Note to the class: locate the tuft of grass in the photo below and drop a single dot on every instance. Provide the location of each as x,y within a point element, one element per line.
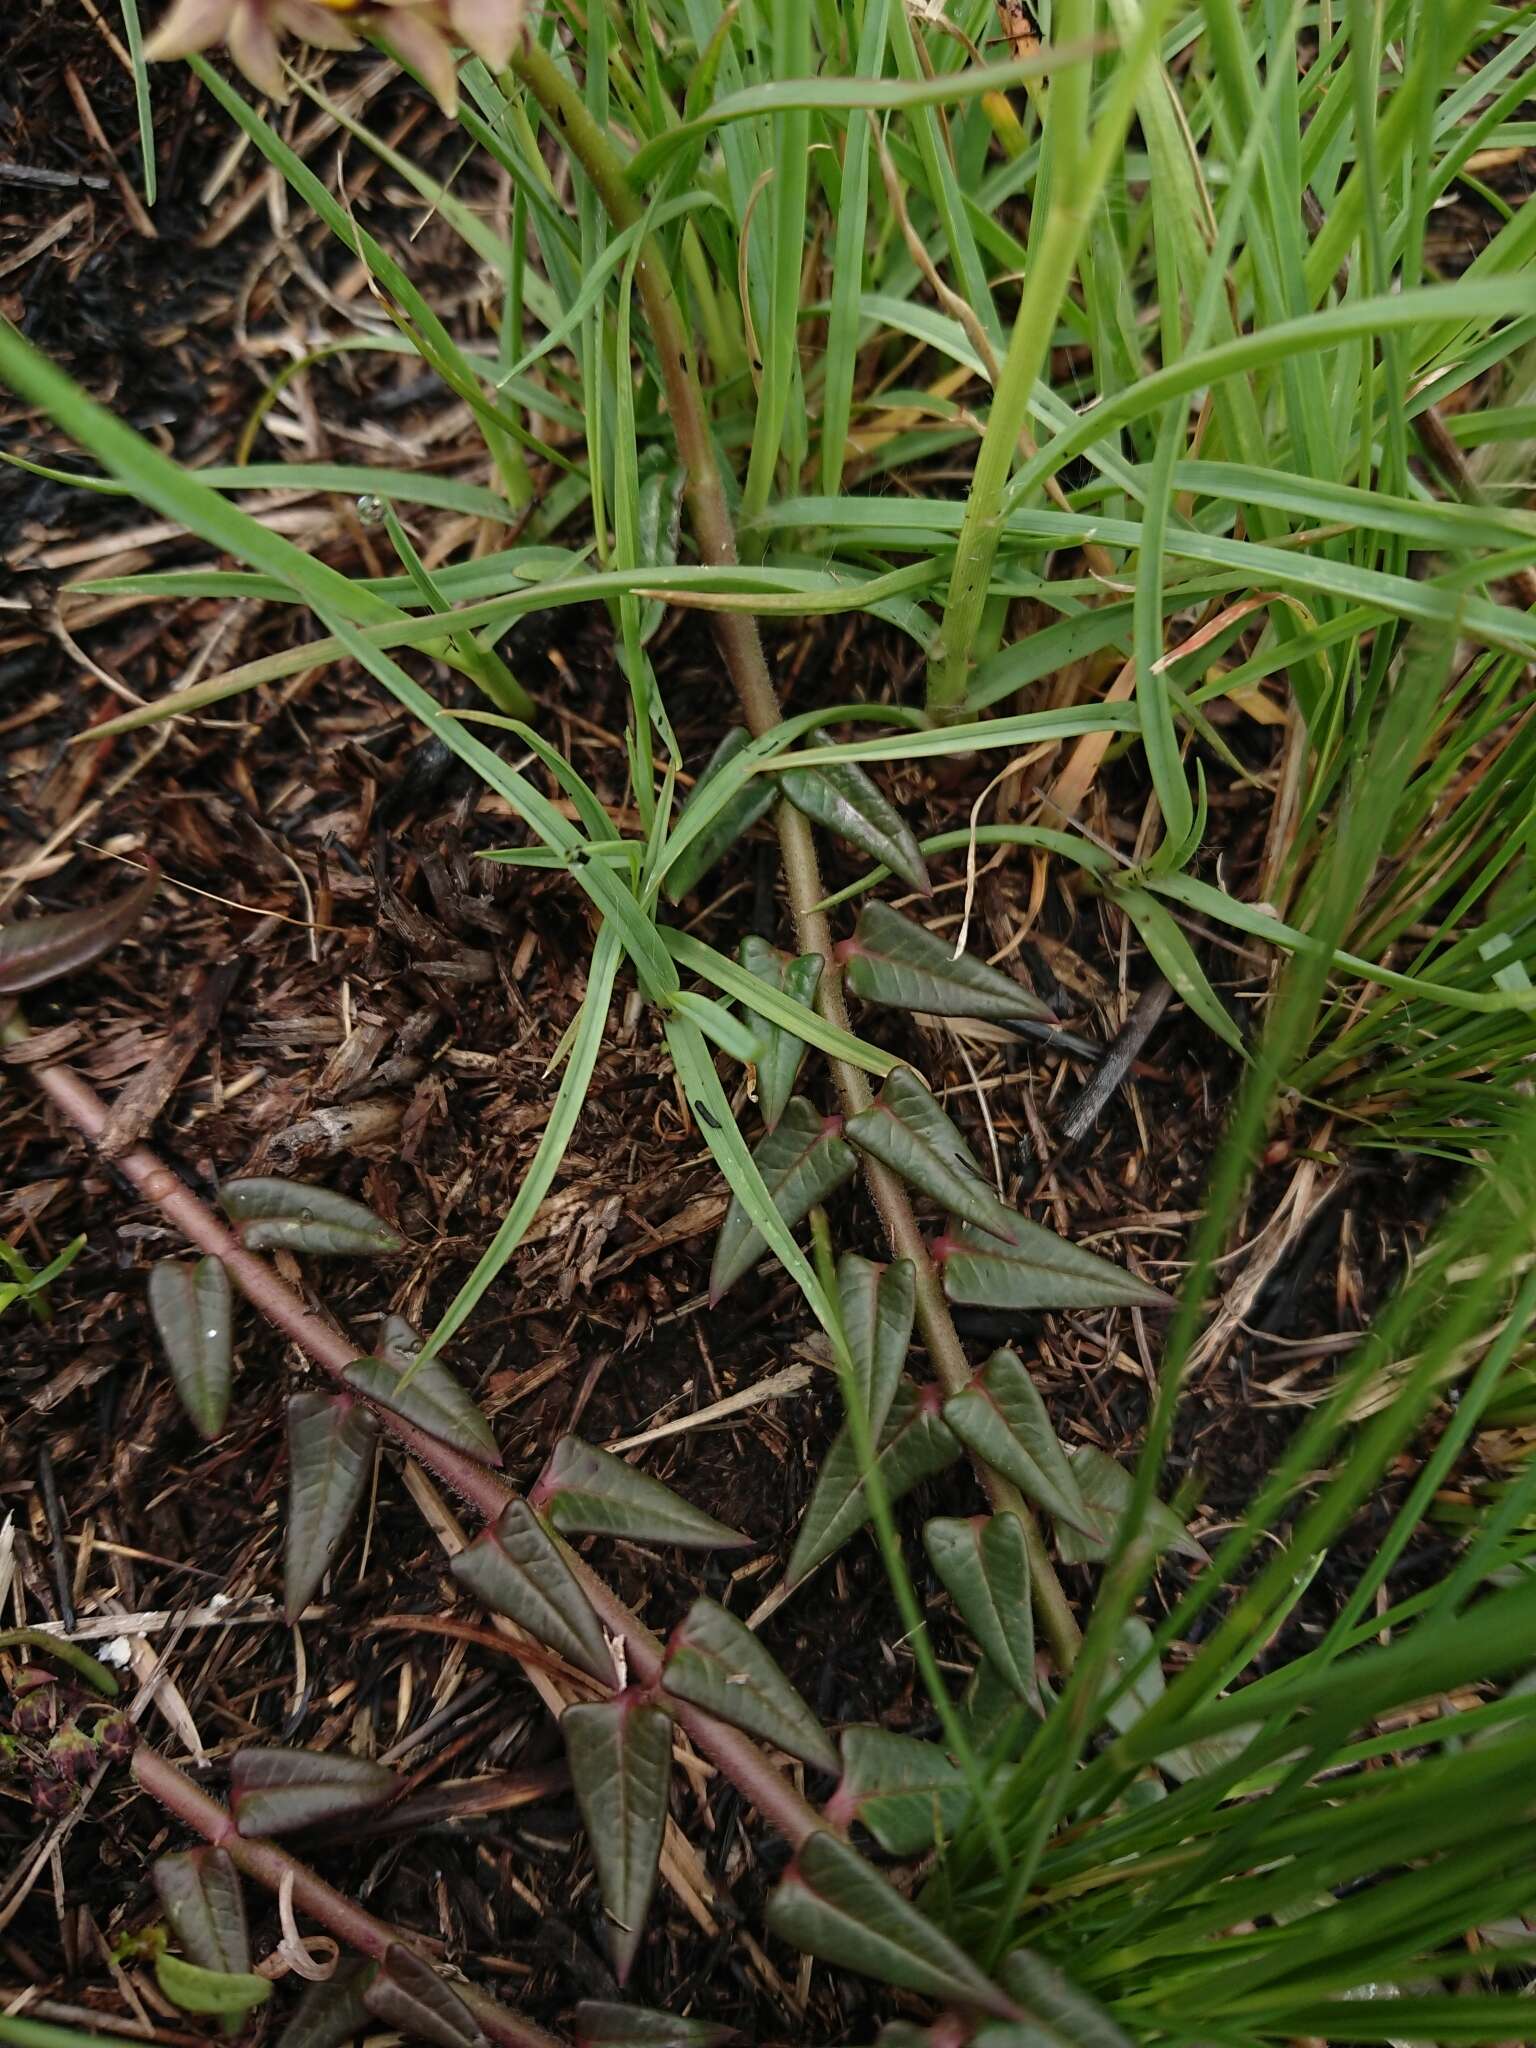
<point>1147,335</point>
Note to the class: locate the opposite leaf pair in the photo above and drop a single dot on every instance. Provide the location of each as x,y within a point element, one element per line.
<point>993,1257</point>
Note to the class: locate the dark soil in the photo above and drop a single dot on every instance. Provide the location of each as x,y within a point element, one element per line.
<point>377,1010</point>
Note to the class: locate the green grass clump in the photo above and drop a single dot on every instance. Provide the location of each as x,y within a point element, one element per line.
<point>810,310</point>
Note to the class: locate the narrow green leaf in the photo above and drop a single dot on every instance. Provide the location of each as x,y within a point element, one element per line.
<point>802,1160</point>
<point>754,799</point>
<point>268,1213</point>
<point>517,1569</point>
<point>1107,1488</point>
<point>410,1996</point>
<point>221,1992</point>
<point>200,1895</point>
<point>891,960</point>
<point>274,1791</point>
<point>584,1490</point>
<point>1001,1417</point>
<point>905,1128</point>
<point>846,801</point>
<point>1038,1270</point>
<point>783,1054</point>
<point>1176,958</point>
<point>585,1045</point>
<point>917,1443</point>
<point>423,1391</point>
<point>331,1441</point>
<point>833,1904</point>
<point>984,1564</point>
<point>133,35</point>
<point>714,1662</point>
<point>1060,2016</point>
<point>36,950</point>
<point>907,1792</point>
<point>771,1006</point>
<point>331,2012</point>
<point>877,1305</point>
<point>636,2026</point>
<point>193,1310</point>
<point>621,1765</point>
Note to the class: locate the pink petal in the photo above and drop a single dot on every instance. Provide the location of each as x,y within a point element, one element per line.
<point>322,26</point>
<point>191,25</point>
<point>253,45</point>
<point>489,27</point>
<point>416,42</point>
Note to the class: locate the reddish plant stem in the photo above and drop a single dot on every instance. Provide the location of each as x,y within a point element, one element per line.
<point>267,1864</point>
<point>767,1787</point>
<point>742,646</point>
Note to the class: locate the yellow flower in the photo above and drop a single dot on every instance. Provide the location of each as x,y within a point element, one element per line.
<point>421,33</point>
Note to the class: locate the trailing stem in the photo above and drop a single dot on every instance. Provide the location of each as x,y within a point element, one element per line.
<point>768,1788</point>
<point>267,1864</point>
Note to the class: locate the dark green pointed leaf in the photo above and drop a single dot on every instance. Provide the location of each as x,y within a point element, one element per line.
<point>716,1663</point>
<point>917,1443</point>
<point>891,960</point>
<point>984,1564</point>
<point>621,1765</point>
<point>802,1160</point>
<point>783,1054</point>
<point>1038,1270</point>
<point>843,798</point>
<point>752,801</point>
<point>273,1791</point>
<point>634,2026</point>
<point>582,1490</point>
<point>211,1991</point>
<point>905,2034</point>
<point>194,1312</point>
<point>36,950</point>
<point>517,1569</point>
<point>1132,1646</point>
<point>905,1128</point>
<point>877,1304</point>
<point>990,1707</point>
<point>1106,1487</point>
<point>429,1396</point>
<point>331,1440</point>
<point>333,2012</point>
<point>833,1904</point>
<point>270,1214</point>
<point>199,1892</point>
<point>1060,2016</point>
<point>906,1792</point>
<point>1001,1417</point>
<point>409,1995</point>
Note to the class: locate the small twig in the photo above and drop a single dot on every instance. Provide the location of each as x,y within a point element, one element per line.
<point>53,1509</point>
<point>1113,1069</point>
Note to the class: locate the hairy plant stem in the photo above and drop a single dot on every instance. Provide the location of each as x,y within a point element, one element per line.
<point>267,1864</point>
<point>768,1788</point>
<point>741,644</point>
